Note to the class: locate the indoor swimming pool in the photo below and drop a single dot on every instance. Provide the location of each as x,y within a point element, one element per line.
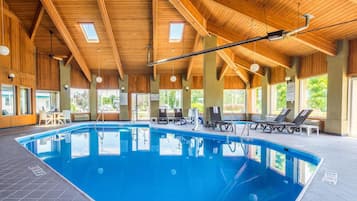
<point>136,162</point>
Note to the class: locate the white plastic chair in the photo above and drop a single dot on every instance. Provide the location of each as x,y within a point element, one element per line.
<point>44,116</point>
<point>67,116</point>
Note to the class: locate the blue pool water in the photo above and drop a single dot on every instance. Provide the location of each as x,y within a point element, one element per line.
<point>148,164</point>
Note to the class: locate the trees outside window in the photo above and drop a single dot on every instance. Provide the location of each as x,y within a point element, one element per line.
<point>257,100</point>
<point>278,97</point>
<point>234,101</point>
<point>197,99</point>
<point>170,98</point>
<point>8,103</point>
<point>108,100</point>
<point>47,100</point>
<point>79,100</point>
<point>314,95</point>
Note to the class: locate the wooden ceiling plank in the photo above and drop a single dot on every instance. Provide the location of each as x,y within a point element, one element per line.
<point>275,21</point>
<point>61,27</point>
<point>36,22</point>
<point>110,34</point>
<point>224,70</point>
<point>69,60</point>
<point>268,54</point>
<point>192,15</point>
<point>228,56</point>
<point>195,48</point>
<point>155,36</point>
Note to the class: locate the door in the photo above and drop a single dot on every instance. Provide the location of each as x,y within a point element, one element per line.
<point>353,108</point>
<point>140,107</point>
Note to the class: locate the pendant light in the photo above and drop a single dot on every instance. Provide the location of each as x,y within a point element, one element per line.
<point>254,67</point>
<point>98,79</point>
<point>4,50</point>
<point>173,76</point>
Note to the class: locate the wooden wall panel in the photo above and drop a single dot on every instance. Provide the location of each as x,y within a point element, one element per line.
<point>233,82</point>
<point>313,65</point>
<point>139,83</point>
<point>277,75</point>
<point>197,82</point>
<point>352,58</point>
<point>78,79</point>
<point>110,80</point>
<point>256,81</point>
<point>165,82</point>
<point>20,62</point>
<point>48,73</point>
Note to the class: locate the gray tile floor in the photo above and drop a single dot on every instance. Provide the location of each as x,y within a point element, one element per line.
<point>17,181</point>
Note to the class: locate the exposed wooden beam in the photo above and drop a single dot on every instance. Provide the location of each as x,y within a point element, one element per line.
<point>192,15</point>
<point>10,14</point>
<point>155,34</point>
<point>275,21</point>
<point>261,50</point>
<point>36,22</point>
<point>62,29</point>
<point>228,56</point>
<point>69,60</point>
<point>195,48</point>
<point>110,34</point>
<point>224,70</point>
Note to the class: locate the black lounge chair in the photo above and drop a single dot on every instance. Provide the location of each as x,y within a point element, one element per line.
<point>290,127</point>
<point>216,120</point>
<point>179,117</point>
<point>162,119</point>
<point>280,118</point>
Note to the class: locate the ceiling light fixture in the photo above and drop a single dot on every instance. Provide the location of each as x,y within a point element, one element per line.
<point>173,76</point>
<point>4,50</point>
<point>254,67</point>
<point>98,79</point>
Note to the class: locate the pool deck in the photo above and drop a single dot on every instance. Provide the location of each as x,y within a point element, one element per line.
<point>18,182</point>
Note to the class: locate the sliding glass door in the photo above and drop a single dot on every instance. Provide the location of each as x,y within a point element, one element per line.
<point>140,106</point>
<point>353,108</point>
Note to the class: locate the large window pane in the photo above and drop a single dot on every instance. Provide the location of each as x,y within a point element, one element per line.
<point>171,99</point>
<point>79,100</point>
<point>278,98</point>
<point>25,100</point>
<point>8,100</point>
<point>314,95</point>
<point>257,100</point>
<point>108,100</point>
<point>278,161</point>
<point>47,101</point>
<point>197,99</point>
<point>234,101</point>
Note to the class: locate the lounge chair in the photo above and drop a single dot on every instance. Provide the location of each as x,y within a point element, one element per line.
<point>280,118</point>
<point>290,127</point>
<point>179,117</point>
<point>45,117</point>
<point>162,119</point>
<point>216,120</point>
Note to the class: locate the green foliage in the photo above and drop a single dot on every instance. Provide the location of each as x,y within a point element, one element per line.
<point>281,96</point>
<point>317,93</point>
<point>171,98</point>
<point>197,100</point>
<point>258,100</point>
<point>234,101</point>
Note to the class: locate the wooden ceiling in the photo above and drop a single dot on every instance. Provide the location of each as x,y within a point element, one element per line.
<point>128,28</point>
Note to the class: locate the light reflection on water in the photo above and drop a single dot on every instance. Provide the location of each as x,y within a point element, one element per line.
<point>139,164</point>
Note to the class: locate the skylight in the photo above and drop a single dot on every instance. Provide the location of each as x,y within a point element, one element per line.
<point>89,32</point>
<point>176,32</point>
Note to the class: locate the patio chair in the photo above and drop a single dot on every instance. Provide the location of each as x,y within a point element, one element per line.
<point>290,127</point>
<point>280,118</point>
<point>45,117</point>
<point>179,117</point>
<point>64,116</point>
<point>162,119</point>
<point>216,120</point>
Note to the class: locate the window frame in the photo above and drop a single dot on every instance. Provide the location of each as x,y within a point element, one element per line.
<point>28,101</point>
<point>181,31</point>
<point>98,102</point>
<point>273,98</point>
<point>71,90</point>
<point>85,32</point>
<point>171,110</point>
<point>14,101</point>
<point>57,100</point>
<point>254,100</point>
<point>203,95</point>
<point>245,101</point>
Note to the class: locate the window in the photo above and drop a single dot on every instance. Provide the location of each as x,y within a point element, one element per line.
<point>47,101</point>
<point>277,161</point>
<point>25,101</point>
<point>171,99</point>
<point>176,32</point>
<point>234,101</point>
<point>278,98</point>
<point>314,95</point>
<point>89,32</point>
<point>257,100</point>
<point>8,100</point>
<point>79,100</point>
<point>197,99</point>
<point>108,100</point>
